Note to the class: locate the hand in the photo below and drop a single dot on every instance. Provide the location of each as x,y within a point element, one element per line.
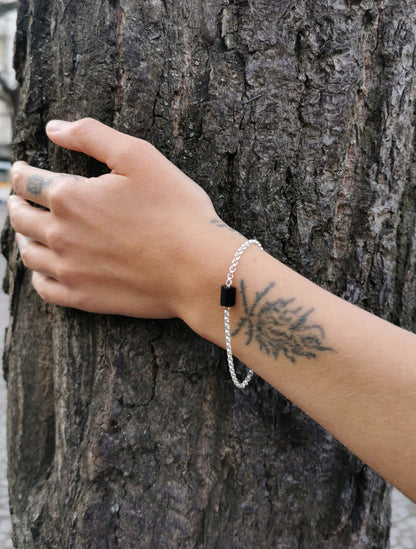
<point>129,242</point>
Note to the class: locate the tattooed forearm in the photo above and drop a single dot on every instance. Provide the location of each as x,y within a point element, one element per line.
<point>280,326</point>
<point>221,225</point>
<point>36,183</point>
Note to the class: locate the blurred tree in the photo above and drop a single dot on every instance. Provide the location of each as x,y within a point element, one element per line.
<point>298,118</point>
<point>9,94</point>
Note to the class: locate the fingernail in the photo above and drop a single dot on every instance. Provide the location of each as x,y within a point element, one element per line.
<point>55,126</point>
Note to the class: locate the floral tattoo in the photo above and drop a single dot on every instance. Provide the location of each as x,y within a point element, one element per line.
<point>280,326</point>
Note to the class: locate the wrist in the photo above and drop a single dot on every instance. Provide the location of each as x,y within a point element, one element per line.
<point>200,308</point>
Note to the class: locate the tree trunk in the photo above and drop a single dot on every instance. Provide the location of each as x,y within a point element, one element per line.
<point>298,118</point>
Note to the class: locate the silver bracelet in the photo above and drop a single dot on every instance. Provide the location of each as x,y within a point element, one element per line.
<point>228,300</point>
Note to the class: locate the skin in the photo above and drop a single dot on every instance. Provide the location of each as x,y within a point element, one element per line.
<point>351,371</point>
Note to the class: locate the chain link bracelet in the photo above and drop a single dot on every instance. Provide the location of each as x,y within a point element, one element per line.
<point>228,300</point>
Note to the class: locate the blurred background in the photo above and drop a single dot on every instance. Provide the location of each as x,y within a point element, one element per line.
<point>8,87</point>
<point>8,101</point>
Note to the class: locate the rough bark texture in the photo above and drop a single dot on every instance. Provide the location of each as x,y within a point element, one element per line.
<point>298,118</point>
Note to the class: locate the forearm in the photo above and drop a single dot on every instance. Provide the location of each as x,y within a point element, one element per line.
<point>349,370</point>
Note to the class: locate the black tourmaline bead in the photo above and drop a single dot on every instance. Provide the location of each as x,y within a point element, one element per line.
<point>227,296</point>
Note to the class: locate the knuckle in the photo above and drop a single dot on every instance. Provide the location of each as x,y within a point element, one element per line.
<point>56,238</point>
<point>65,273</point>
<point>16,215</point>
<point>61,273</point>
<point>145,147</point>
<point>80,301</point>
<point>129,151</point>
<point>17,175</point>
<point>26,252</point>
<point>12,207</point>
<point>41,287</point>
<point>130,148</point>
<point>25,255</point>
<point>50,291</point>
<point>83,123</point>
<point>82,129</point>
<point>56,197</point>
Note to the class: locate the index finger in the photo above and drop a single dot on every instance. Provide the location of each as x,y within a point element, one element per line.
<point>118,150</point>
<point>32,183</point>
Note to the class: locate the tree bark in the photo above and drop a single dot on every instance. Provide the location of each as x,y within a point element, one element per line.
<point>298,118</point>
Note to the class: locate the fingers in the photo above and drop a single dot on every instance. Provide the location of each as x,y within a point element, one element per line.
<point>50,290</point>
<point>36,256</point>
<point>22,240</point>
<point>30,183</point>
<point>122,153</point>
<point>93,138</point>
<point>34,184</point>
<point>27,220</point>
<point>45,278</point>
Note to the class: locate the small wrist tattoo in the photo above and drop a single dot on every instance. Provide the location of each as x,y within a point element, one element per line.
<point>221,225</point>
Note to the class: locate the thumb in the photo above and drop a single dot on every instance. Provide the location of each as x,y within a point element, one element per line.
<point>92,138</point>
